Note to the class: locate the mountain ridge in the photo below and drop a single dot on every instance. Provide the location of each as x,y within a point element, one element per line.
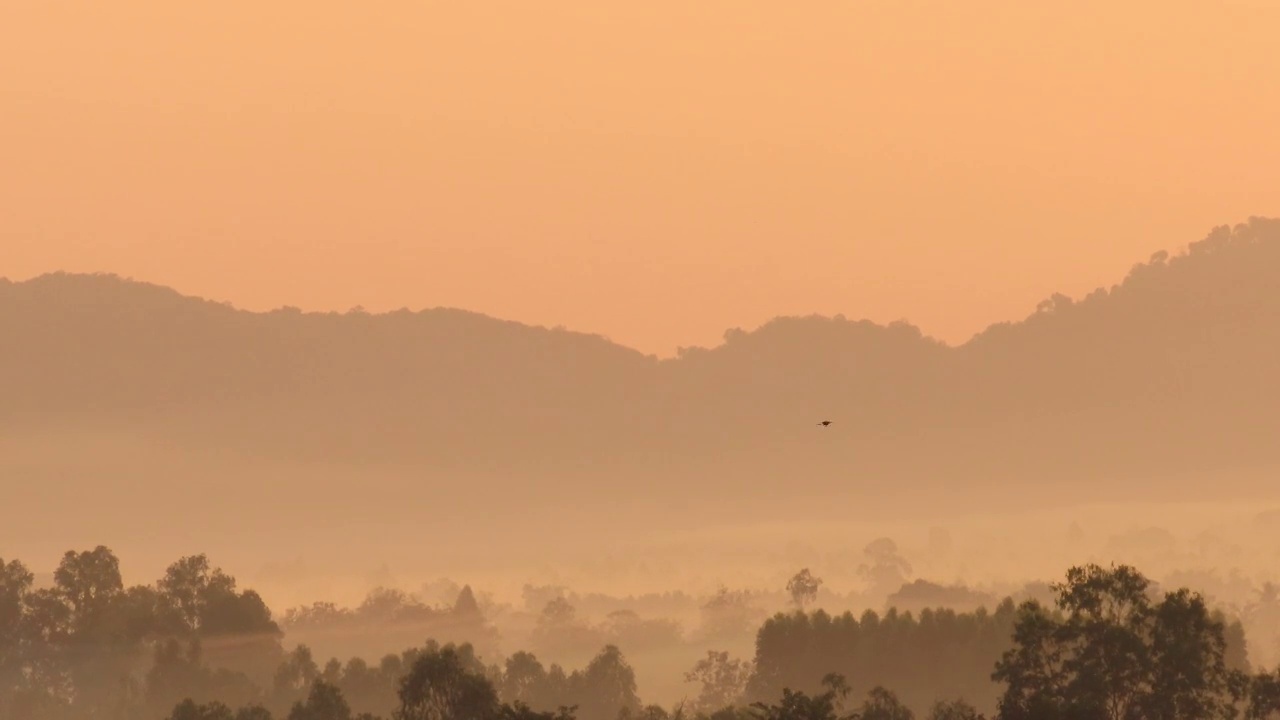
<point>104,282</point>
<point>1164,380</point>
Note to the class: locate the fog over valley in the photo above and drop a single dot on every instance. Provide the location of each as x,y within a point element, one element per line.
<point>354,485</point>
<point>662,360</point>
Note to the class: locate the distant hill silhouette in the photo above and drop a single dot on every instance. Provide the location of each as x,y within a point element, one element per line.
<point>1163,385</point>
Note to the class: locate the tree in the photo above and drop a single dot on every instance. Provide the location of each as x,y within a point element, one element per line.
<point>195,599</point>
<point>557,612</point>
<point>524,680</point>
<point>324,702</point>
<point>293,677</point>
<point>521,711</point>
<point>1110,653</point>
<point>391,605</point>
<point>1033,670</point>
<point>559,629</point>
<point>187,588</point>
<point>91,631</point>
<point>954,710</point>
<point>729,614</point>
<point>440,687</point>
<point>881,704</point>
<point>176,672</point>
<point>466,606</point>
<point>797,705</point>
<point>1264,697</point>
<point>47,629</point>
<point>1188,662</point>
<point>650,712</point>
<point>606,687</point>
<point>625,628</point>
<point>723,680</point>
<point>919,656</point>
<point>189,710</point>
<point>15,584</point>
<point>1108,613</point>
<point>885,570</point>
<point>88,583</point>
<point>242,613</point>
<point>803,588</point>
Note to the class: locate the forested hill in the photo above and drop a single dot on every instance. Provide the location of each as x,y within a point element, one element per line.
<point>1147,387</point>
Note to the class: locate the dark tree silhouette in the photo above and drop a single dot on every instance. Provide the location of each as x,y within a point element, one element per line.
<point>883,704</point>
<point>797,705</point>
<point>722,680</point>
<point>520,711</point>
<point>803,588</point>
<point>606,687</point>
<point>324,702</point>
<point>89,648</point>
<point>1112,653</point>
<point>439,686</point>
<point>954,710</point>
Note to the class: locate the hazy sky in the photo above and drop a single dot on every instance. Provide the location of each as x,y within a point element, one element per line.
<point>656,171</point>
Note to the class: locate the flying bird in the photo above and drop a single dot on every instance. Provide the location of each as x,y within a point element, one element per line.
<point>825,423</point>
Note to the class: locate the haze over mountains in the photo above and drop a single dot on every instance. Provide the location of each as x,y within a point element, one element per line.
<point>287,506</point>
<point>1162,387</point>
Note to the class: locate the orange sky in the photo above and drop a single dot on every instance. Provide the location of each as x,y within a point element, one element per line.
<point>656,171</point>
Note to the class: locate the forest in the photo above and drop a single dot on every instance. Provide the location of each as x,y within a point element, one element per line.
<point>1107,643</point>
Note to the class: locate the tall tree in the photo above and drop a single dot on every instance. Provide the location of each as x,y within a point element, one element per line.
<point>88,582</point>
<point>524,680</point>
<point>723,680</point>
<point>520,711</point>
<point>797,705</point>
<point>439,686</point>
<point>15,584</point>
<point>1113,654</point>
<point>883,704</point>
<point>189,585</point>
<point>324,702</point>
<point>954,710</point>
<point>606,687</point>
<point>803,588</point>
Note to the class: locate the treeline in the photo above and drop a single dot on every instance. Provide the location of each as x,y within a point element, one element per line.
<point>1111,649</point>
<point>192,646</point>
<point>605,688</point>
<point>938,653</point>
<point>88,647</point>
<point>386,617</point>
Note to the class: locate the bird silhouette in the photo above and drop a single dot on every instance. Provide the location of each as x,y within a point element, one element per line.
<point>825,423</point>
